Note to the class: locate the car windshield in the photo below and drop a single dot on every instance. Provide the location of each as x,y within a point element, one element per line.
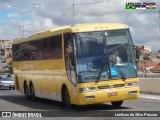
<point>105,53</point>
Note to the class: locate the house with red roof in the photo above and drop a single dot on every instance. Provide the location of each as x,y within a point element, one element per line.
<point>155,69</point>
<point>146,65</point>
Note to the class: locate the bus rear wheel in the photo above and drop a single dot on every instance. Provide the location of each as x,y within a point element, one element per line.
<point>32,92</point>
<point>26,90</point>
<point>117,103</point>
<point>66,97</point>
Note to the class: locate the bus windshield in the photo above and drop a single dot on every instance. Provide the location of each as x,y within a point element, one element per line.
<point>104,55</point>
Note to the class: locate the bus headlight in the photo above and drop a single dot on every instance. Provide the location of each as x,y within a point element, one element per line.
<point>88,89</point>
<point>132,84</point>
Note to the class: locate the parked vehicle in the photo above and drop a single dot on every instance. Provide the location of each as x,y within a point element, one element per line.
<point>7,83</point>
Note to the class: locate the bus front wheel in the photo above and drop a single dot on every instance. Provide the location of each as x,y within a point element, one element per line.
<point>66,97</point>
<point>117,103</point>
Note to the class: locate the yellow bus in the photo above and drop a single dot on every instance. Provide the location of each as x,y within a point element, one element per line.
<point>79,64</point>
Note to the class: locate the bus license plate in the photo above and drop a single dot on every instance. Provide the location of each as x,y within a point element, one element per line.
<point>112,94</point>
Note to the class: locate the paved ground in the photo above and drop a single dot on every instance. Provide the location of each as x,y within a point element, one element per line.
<point>11,100</point>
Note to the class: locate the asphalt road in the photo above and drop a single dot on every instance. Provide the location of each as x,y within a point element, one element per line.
<point>11,100</point>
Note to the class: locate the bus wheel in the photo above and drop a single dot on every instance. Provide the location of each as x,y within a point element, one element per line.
<point>26,91</point>
<point>67,98</point>
<point>32,92</point>
<point>117,103</point>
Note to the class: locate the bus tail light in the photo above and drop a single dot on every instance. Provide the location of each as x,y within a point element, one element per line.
<point>88,89</point>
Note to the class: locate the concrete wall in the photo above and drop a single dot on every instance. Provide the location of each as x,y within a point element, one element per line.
<point>149,75</point>
<point>149,85</point>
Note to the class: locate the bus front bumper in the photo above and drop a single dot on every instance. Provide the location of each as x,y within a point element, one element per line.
<point>111,95</point>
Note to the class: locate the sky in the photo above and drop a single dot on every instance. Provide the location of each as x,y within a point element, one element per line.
<point>144,24</point>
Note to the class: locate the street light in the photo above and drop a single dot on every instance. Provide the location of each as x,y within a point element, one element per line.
<point>22,24</point>
<point>22,14</point>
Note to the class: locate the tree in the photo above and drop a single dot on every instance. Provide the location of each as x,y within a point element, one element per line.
<point>146,56</point>
<point>9,68</point>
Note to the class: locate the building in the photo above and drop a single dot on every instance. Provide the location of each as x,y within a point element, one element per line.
<point>148,48</point>
<point>146,65</point>
<point>155,56</point>
<point>144,53</point>
<point>5,54</point>
<point>156,69</point>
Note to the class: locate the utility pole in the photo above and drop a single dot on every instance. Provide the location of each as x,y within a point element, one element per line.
<point>73,13</point>
<point>20,34</point>
<point>22,23</point>
<point>21,27</point>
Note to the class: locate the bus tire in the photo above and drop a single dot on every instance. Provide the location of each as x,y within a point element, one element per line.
<point>117,103</point>
<point>66,98</point>
<point>26,90</point>
<point>32,92</point>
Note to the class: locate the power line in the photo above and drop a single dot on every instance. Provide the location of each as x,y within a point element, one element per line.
<point>77,4</point>
<point>58,19</point>
<point>63,14</point>
<point>92,2</point>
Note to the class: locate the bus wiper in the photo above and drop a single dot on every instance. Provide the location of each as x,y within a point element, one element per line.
<point>119,69</point>
<point>100,73</point>
<point>104,58</point>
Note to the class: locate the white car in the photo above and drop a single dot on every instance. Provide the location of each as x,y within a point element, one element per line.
<point>7,83</point>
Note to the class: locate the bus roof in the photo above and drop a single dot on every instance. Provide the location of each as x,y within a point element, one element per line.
<point>73,29</point>
<point>97,27</point>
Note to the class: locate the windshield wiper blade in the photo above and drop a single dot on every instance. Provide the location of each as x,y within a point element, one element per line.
<point>121,72</point>
<point>105,62</point>
<point>100,73</point>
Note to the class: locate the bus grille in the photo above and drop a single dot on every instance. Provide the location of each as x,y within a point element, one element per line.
<point>109,86</point>
<point>118,85</point>
<point>104,87</point>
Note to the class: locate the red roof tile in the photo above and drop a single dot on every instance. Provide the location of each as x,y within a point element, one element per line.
<point>156,68</point>
<point>147,63</point>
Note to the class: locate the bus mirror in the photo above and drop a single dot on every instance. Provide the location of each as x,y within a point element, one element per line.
<point>138,53</point>
<point>72,59</point>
